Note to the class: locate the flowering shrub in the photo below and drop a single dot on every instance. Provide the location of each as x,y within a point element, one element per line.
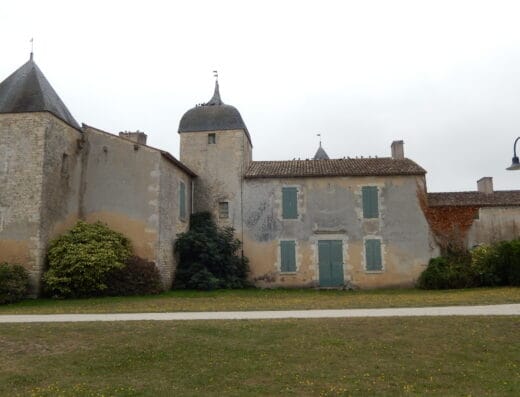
<point>80,260</point>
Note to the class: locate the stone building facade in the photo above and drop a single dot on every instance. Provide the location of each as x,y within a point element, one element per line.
<point>365,222</point>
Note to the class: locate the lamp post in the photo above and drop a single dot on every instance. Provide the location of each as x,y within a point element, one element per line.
<point>515,166</point>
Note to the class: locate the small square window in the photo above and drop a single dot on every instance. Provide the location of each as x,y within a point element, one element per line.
<point>223,210</point>
<point>212,139</point>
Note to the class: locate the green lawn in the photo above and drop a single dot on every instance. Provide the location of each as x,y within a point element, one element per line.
<point>277,299</point>
<point>443,356</point>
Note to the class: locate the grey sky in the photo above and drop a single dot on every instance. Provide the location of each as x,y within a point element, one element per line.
<point>441,75</point>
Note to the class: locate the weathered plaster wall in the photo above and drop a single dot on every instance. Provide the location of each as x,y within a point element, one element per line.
<point>494,224</point>
<point>120,187</point>
<point>170,221</point>
<point>330,208</point>
<point>135,190</point>
<point>219,167</point>
<point>22,142</point>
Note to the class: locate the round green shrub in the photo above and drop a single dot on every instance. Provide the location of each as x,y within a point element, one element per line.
<point>80,260</point>
<point>14,283</point>
<point>137,277</point>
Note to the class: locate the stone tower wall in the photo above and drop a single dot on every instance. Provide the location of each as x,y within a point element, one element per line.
<point>219,167</point>
<point>39,174</point>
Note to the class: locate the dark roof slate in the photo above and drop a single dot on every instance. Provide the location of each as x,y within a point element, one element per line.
<point>213,115</point>
<point>384,166</point>
<point>27,90</point>
<point>321,154</point>
<point>500,198</point>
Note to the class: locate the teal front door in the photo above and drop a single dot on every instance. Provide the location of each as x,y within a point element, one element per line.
<point>330,258</point>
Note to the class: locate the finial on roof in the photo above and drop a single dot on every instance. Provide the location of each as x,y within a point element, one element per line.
<point>32,48</point>
<point>321,154</point>
<point>215,100</point>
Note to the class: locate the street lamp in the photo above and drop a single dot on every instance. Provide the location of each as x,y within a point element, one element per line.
<point>516,163</point>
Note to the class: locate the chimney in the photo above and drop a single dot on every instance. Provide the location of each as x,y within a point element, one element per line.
<point>485,185</point>
<point>398,150</point>
<point>138,136</point>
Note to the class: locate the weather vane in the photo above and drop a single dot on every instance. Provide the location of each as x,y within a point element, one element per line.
<point>32,46</point>
<point>215,74</point>
<point>319,135</point>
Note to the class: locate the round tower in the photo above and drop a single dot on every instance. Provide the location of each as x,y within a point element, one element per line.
<point>216,144</point>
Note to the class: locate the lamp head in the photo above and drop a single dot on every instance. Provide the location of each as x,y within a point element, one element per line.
<point>515,166</point>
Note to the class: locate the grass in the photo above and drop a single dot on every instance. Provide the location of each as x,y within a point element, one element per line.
<point>257,299</point>
<point>441,356</point>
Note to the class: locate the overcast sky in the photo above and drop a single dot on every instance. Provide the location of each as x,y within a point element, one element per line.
<point>441,75</point>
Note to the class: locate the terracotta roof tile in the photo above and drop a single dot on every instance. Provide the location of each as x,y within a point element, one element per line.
<point>384,166</point>
<point>501,198</point>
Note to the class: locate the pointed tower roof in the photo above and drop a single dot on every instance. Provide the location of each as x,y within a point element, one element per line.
<point>27,90</point>
<point>213,115</point>
<point>321,154</point>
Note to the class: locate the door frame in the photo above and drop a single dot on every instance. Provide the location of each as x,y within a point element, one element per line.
<point>344,243</point>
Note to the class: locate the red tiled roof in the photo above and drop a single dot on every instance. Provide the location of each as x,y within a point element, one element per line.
<point>384,166</point>
<point>501,198</point>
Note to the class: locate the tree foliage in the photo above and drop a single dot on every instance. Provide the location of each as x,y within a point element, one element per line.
<point>209,257</point>
<point>80,260</point>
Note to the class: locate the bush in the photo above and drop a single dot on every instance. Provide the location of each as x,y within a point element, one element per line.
<point>137,277</point>
<point>209,256</point>
<point>455,271</point>
<point>498,264</point>
<point>80,260</point>
<point>14,283</point>
<point>484,266</point>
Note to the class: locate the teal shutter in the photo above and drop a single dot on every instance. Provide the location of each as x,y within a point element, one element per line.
<point>288,256</point>
<point>324,263</point>
<point>336,262</point>
<point>182,200</point>
<point>373,255</point>
<point>289,203</point>
<point>370,202</point>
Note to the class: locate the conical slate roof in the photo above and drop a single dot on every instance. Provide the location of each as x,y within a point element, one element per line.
<point>321,154</point>
<point>27,90</point>
<point>213,115</point>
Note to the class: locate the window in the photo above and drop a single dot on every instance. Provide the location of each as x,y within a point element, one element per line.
<point>287,256</point>
<point>182,200</point>
<point>212,139</point>
<point>373,255</point>
<point>370,202</point>
<point>289,203</point>
<point>223,210</point>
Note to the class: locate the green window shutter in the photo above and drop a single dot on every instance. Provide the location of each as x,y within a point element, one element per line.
<point>373,255</point>
<point>182,200</point>
<point>370,202</point>
<point>288,256</point>
<point>289,203</point>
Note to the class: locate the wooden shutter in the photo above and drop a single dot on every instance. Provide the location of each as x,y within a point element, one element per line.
<point>182,200</point>
<point>370,202</point>
<point>289,203</point>
<point>288,256</point>
<point>373,255</point>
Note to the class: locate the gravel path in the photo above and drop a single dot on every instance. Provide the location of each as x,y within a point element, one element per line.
<point>488,310</point>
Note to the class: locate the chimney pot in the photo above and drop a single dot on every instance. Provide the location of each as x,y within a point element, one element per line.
<point>138,136</point>
<point>397,150</point>
<point>485,185</point>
